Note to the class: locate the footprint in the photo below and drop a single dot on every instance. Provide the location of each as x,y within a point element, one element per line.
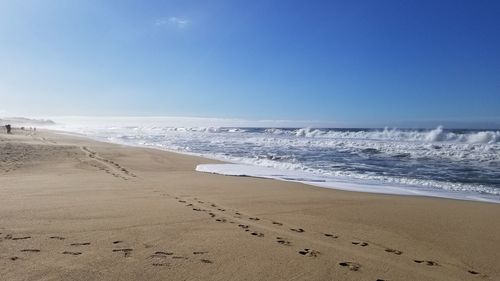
<point>126,252</point>
<point>80,244</point>
<point>14,258</point>
<point>213,205</point>
<point>429,263</point>
<point>211,214</point>
<point>71,253</point>
<point>283,241</point>
<point>57,237</point>
<point>243,226</point>
<point>180,258</point>
<point>258,234</point>
<point>254,219</point>
<point>206,261</point>
<point>309,253</point>
<point>182,201</point>
<point>199,253</point>
<point>161,254</point>
<point>277,223</point>
<point>21,238</point>
<point>473,272</point>
<point>161,264</point>
<point>221,220</point>
<point>353,266</point>
<point>331,235</point>
<point>359,243</point>
<point>237,213</point>
<point>396,252</point>
<point>30,250</point>
<point>299,230</point>
<point>117,242</point>
<point>222,210</point>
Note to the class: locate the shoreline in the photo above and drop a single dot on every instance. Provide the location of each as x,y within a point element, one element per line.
<point>344,185</point>
<point>147,215</point>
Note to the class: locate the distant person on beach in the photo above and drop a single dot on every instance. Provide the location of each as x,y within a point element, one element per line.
<point>9,128</point>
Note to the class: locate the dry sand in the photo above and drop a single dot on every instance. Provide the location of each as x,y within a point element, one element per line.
<point>76,209</point>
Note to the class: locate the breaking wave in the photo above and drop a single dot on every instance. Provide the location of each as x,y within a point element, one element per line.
<point>436,135</point>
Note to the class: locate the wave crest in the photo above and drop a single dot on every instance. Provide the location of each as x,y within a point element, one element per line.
<point>436,135</point>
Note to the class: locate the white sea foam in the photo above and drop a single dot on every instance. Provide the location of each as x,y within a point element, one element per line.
<point>333,183</point>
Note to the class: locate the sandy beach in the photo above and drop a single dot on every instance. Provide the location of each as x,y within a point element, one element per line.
<point>76,209</point>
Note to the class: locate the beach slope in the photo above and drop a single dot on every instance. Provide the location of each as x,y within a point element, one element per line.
<point>77,209</point>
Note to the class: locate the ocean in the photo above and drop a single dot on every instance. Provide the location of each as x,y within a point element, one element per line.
<point>459,164</point>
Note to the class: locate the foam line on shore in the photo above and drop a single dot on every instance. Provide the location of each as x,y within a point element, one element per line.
<point>328,182</point>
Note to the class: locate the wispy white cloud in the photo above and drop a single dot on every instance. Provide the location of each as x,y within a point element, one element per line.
<point>174,21</point>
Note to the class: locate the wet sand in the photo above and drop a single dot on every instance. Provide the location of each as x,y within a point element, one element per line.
<point>76,209</point>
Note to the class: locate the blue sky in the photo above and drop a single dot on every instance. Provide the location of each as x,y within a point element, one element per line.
<point>345,62</point>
